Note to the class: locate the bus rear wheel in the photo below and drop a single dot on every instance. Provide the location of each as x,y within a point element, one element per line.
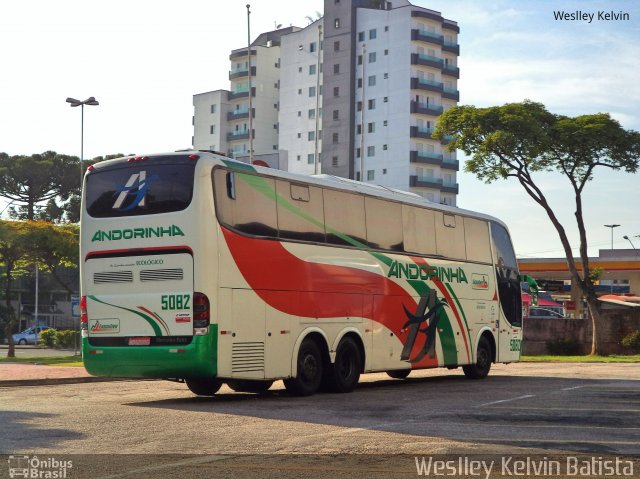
<point>204,387</point>
<point>309,373</point>
<point>399,373</point>
<point>481,368</point>
<point>249,386</point>
<point>344,374</point>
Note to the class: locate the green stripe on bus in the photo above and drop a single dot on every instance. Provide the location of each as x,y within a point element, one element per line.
<point>152,323</point>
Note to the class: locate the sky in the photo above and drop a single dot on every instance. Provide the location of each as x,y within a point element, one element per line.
<point>144,60</point>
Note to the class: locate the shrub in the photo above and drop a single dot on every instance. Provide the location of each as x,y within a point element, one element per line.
<point>631,342</point>
<point>564,347</point>
<point>66,339</point>
<point>47,338</point>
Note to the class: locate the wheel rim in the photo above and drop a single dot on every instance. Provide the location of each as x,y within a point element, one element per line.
<point>345,366</point>
<point>309,368</point>
<point>483,359</point>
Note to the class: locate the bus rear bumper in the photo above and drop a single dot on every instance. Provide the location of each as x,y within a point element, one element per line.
<point>195,360</point>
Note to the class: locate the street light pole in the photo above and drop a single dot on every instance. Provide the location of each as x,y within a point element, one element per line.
<point>629,240</point>
<point>612,226</point>
<point>73,103</point>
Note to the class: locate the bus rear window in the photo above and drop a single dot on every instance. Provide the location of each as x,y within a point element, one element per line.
<point>143,189</point>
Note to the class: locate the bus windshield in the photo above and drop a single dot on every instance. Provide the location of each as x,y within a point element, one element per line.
<point>140,188</point>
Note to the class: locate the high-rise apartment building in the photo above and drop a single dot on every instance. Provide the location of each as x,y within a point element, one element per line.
<point>360,92</point>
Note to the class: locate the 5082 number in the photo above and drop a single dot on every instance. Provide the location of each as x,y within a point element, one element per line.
<point>175,301</point>
<point>515,345</point>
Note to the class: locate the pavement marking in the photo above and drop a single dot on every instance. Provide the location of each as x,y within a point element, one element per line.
<point>574,387</point>
<point>168,465</point>
<point>565,409</point>
<point>526,396</point>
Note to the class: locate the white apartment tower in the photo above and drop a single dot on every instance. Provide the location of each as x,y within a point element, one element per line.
<point>360,92</point>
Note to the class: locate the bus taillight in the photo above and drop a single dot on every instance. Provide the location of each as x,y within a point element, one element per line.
<point>201,314</point>
<point>84,319</point>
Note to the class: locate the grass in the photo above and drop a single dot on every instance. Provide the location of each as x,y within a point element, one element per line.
<point>583,359</point>
<point>74,361</point>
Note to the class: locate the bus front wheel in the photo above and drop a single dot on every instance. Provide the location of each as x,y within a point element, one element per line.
<point>204,387</point>
<point>481,368</point>
<point>309,374</point>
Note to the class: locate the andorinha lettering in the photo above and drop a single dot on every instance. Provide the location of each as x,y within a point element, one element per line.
<point>422,271</point>
<point>133,233</point>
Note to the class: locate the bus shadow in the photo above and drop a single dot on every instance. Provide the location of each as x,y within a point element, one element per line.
<point>21,431</point>
<point>571,414</point>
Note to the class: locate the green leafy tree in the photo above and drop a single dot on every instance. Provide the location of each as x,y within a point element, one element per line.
<point>31,181</point>
<point>13,252</point>
<point>517,140</point>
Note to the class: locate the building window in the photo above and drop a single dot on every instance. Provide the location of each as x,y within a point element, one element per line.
<point>312,47</point>
<point>357,152</point>
<point>300,68</point>
<point>371,127</point>
<point>336,68</point>
<point>359,106</point>
<point>384,147</point>
<point>312,91</point>
<point>372,34</point>
<point>371,151</point>
<point>336,23</point>
<point>384,171</point>
<point>372,104</point>
<point>299,91</point>
<point>336,91</point>
<point>335,138</point>
<point>361,36</point>
<point>336,114</point>
<point>372,57</point>
<point>386,52</point>
<point>358,129</point>
<point>386,28</point>
<point>212,129</point>
<point>312,69</point>
<point>359,59</point>
<point>336,46</point>
<point>386,76</point>
<point>299,113</point>
<point>334,161</point>
<point>298,158</point>
<point>384,123</point>
<point>359,82</point>
<point>311,135</point>
<point>372,80</point>
<point>299,135</point>
<point>312,114</point>
<point>385,99</point>
<point>213,108</point>
<point>371,174</point>
<point>311,158</point>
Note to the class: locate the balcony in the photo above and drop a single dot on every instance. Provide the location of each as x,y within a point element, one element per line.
<point>450,164</point>
<point>427,60</point>
<point>426,108</point>
<point>425,157</point>
<point>241,72</point>
<point>429,85</point>
<point>238,135</point>
<point>239,114</point>
<point>451,93</point>
<point>449,187</point>
<point>242,52</point>
<point>425,182</point>
<point>452,47</point>
<point>447,139</point>
<point>241,93</point>
<point>427,37</point>
<point>419,132</point>
<point>451,70</point>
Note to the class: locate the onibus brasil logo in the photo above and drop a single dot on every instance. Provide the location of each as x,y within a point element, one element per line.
<point>50,467</point>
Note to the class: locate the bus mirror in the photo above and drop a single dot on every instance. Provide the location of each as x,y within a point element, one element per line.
<point>231,185</point>
<point>533,287</point>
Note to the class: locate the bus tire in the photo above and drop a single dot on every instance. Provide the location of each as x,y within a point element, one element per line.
<point>481,368</point>
<point>399,373</point>
<point>249,386</point>
<point>204,387</point>
<point>344,373</point>
<point>309,374</point>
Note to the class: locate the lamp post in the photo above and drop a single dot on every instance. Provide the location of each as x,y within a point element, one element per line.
<point>612,226</point>
<point>316,153</point>
<point>629,240</point>
<point>73,102</point>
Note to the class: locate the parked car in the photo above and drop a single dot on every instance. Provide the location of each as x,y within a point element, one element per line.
<point>545,313</point>
<point>30,335</point>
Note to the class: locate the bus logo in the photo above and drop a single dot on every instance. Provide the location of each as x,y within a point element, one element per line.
<point>98,326</point>
<point>138,184</point>
<point>479,281</point>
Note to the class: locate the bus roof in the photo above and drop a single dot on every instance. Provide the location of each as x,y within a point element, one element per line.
<point>319,180</point>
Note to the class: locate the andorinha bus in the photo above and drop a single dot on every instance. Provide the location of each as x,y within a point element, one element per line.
<point>200,268</point>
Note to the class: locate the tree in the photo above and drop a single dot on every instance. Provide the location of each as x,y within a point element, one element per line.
<point>31,181</point>
<point>13,251</point>
<point>517,140</point>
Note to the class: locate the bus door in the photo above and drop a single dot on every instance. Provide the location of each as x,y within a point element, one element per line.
<point>509,324</point>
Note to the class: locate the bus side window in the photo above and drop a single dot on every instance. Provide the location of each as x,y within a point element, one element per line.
<point>300,212</point>
<point>231,185</point>
<point>419,230</point>
<point>507,275</point>
<point>476,235</point>
<point>384,224</point>
<point>450,236</point>
<point>344,218</point>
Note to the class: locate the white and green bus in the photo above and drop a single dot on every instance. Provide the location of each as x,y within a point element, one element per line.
<point>200,268</point>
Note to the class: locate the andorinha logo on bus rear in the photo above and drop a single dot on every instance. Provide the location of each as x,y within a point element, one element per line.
<point>134,233</point>
<point>479,281</point>
<point>98,326</point>
<point>424,272</point>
